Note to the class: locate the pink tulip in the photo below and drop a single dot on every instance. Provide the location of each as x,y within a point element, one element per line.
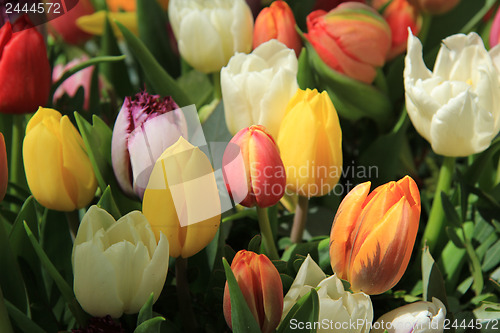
<point>495,30</point>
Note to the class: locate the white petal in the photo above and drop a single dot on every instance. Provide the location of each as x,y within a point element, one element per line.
<point>94,219</point>
<point>119,152</point>
<point>414,63</point>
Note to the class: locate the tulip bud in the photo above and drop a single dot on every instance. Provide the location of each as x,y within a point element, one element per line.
<point>144,128</point>
<point>310,143</point>
<point>182,200</point>
<point>495,30</point>
<point>129,6</point>
<point>456,107</point>
<point>336,305</point>
<point>328,5</point>
<point>65,25</point>
<point>277,22</point>
<point>24,68</point>
<point>261,286</point>
<point>58,169</point>
<point>253,170</point>
<point>400,16</point>
<point>434,7</point>
<point>372,235</point>
<point>4,174</point>
<point>352,39</point>
<point>117,264</point>
<point>209,32</point>
<point>256,87</point>
<point>418,317</point>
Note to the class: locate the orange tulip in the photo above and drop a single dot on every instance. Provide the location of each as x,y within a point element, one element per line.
<point>277,22</point>
<point>373,234</point>
<point>435,7</point>
<point>262,289</point>
<point>3,168</point>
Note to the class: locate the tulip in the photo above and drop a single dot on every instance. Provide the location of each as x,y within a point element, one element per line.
<point>400,16</point>
<point>144,128</point>
<point>328,5</point>
<point>4,179</point>
<point>117,264</point>
<point>352,39</point>
<point>310,141</point>
<point>261,286</point>
<point>94,23</point>
<point>58,169</point>
<point>336,305</point>
<point>65,25</point>
<point>209,32</point>
<point>434,7</point>
<point>24,68</point>
<point>418,317</point>
<point>372,235</point>
<point>129,6</point>
<point>257,87</point>
<point>495,30</point>
<point>252,168</point>
<point>277,22</point>
<point>182,200</point>
<point>457,106</point>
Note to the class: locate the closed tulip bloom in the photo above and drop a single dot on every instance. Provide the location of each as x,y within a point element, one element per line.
<point>352,39</point>
<point>418,317</point>
<point>434,7</point>
<point>65,25</point>
<point>277,22</point>
<point>4,174</point>
<point>261,286</point>
<point>495,30</point>
<point>373,234</point>
<point>257,87</point>
<point>58,169</point>
<point>209,32</point>
<point>310,143</point>
<point>182,200</point>
<point>117,264</point>
<point>144,128</point>
<point>456,107</point>
<point>130,6</point>
<point>24,68</point>
<point>95,23</point>
<point>335,303</point>
<point>252,168</point>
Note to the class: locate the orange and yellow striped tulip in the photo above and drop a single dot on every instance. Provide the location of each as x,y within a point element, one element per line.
<point>373,234</point>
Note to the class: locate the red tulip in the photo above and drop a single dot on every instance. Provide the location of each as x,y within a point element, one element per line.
<point>261,286</point>
<point>24,68</point>
<point>3,168</point>
<point>253,171</point>
<point>65,25</point>
<point>277,22</point>
<point>352,39</point>
<point>372,235</point>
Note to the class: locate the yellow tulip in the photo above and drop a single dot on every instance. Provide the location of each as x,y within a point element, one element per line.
<point>310,142</point>
<point>182,200</point>
<point>58,169</point>
<point>129,6</point>
<point>94,24</point>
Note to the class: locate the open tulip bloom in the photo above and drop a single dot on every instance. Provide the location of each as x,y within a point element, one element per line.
<point>249,166</point>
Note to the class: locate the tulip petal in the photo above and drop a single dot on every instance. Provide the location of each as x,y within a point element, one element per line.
<point>94,24</point>
<point>272,293</point>
<point>414,63</point>
<point>94,219</point>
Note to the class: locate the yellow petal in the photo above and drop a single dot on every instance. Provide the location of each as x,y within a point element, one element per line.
<point>94,24</point>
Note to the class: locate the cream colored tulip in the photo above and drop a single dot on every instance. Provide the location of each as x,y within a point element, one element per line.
<point>257,87</point>
<point>209,32</point>
<point>117,264</point>
<point>456,107</point>
<point>336,306</point>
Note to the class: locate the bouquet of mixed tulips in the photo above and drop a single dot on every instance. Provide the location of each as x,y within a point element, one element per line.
<point>249,166</point>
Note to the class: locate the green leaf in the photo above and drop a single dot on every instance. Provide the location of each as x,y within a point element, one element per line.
<point>97,139</point>
<point>214,127</point>
<point>146,311</point>
<point>152,23</point>
<point>304,74</point>
<point>150,326</point>
<point>450,212</point>
<point>162,83</point>
<point>453,235</point>
<point>306,310</point>
<point>20,243</point>
<point>22,321</point>
<point>492,257</point>
<point>5,326</point>
<point>254,244</point>
<point>107,202</point>
<point>242,319</point>
<point>433,284</point>
<point>199,86</point>
<point>61,284</point>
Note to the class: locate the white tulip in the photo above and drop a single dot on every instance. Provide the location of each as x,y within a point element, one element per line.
<point>209,32</point>
<point>418,317</point>
<point>457,106</point>
<point>117,264</point>
<point>257,87</point>
<point>339,310</point>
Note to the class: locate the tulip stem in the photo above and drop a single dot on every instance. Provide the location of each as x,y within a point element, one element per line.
<point>299,220</point>
<point>16,160</point>
<point>184,296</point>
<point>267,234</point>
<point>73,223</point>
<point>434,231</point>
<point>217,87</point>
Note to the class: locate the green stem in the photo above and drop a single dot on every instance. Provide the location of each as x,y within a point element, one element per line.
<point>4,317</point>
<point>16,171</point>
<point>217,87</point>
<point>434,231</point>
<point>424,30</point>
<point>267,234</point>
<point>73,223</point>
<point>299,220</point>
<point>184,296</point>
